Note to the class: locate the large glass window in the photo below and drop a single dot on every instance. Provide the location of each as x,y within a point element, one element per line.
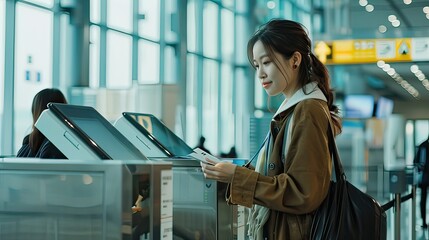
<point>171,20</point>
<point>148,62</point>
<point>210,29</point>
<point>33,63</point>
<point>149,21</point>
<point>118,60</point>
<point>94,57</point>
<point>227,29</point>
<point>170,71</point>
<point>241,42</point>
<point>119,14</point>
<point>192,26</point>
<point>210,104</point>
<point>226,102</point>
<point>191,101</point>
<point>95,11</point>
<point>2,46</point>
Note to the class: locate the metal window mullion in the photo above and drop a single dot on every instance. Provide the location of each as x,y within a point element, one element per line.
<point>219,78</point>
<point>199,81</point>
<point>182,61</point>
<point>135,47</point>
<point>7,136</point>
<point>162,44</point>
<point>56,46</point>
<point>103,44</point>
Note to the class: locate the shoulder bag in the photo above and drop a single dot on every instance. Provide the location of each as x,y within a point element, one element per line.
<point>347,212</point>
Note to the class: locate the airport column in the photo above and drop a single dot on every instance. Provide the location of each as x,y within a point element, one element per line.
<point>79,28</point>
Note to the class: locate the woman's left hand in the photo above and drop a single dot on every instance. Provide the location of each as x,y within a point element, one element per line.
<point>222,171</point>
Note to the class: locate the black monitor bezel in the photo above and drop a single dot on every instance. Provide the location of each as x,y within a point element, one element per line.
<point>144,131</point>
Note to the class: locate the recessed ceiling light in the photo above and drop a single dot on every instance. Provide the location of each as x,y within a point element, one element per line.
<point>391,18</point>
<point>396,23</point>
<point>271,4</point>
<point>380,63</point>
<point>414,68</point>
<point>369,8</point>
<point>427,16</point>
<point>426,9</point>
<point>408,1</point>
<point>382,28</point>
<point>363,3</point>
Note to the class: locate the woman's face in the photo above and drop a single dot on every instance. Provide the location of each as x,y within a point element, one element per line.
<point>273,78</point>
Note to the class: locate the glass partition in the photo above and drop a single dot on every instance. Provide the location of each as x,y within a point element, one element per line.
<point>33,63</point>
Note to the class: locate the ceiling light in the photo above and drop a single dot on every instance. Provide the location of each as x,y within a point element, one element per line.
<point>408,1</point>
<point>380,63</point>
<point>414,68</point>
<point>426,9</point>
<point>363,3</point>
<point>427,16</point>
<point>396,23</point>
<point>391,18</point>
<point>382,28</point>
<point>271,4</point>
<point>369,8</point>
<point>386,67</point>
<point>391,72</point>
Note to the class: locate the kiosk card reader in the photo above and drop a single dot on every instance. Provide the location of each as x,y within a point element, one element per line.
<point>199,207</point>
<point>80,132</point>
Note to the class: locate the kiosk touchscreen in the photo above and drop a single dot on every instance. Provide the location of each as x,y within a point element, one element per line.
<point>152,137</point>
<point>80,132</point>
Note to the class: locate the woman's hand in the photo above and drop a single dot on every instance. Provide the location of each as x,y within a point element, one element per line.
<point>222,172</point>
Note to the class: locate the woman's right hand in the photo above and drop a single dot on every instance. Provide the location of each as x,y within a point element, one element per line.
<point>222,171</point>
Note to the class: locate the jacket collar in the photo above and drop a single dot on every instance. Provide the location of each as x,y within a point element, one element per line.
<point>312,91</point>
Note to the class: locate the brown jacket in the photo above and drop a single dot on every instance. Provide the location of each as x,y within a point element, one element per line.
<point>292,191</point>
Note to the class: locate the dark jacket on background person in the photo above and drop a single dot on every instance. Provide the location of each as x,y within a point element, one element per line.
<point>46,150</point>
<point>421,159</point>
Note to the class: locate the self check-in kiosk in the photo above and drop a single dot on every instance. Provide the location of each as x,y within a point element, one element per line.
<point>81,133</point>
<point>199,207</point>
<point>85,200</point>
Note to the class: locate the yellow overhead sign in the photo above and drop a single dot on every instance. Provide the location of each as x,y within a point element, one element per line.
<point>371,50</point>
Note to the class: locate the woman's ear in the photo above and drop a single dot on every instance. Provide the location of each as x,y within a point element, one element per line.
<point>296,59</point>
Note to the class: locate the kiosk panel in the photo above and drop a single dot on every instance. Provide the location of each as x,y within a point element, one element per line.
<point>159,133</point>
<point>89,128</point>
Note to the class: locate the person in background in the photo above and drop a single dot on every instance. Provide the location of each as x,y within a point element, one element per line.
<point>36,145</point>
<point>231,154</point>
<point>421,160</point>
<point>293,169</point>
<point>201,145</point>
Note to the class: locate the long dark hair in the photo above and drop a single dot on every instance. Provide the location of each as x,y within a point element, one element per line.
<point>287,37</point>
<point>40,102</point>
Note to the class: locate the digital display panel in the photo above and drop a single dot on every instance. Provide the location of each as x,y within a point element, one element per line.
<point>160,133</point>
<point>384,107</point>
<point>358,106</point>
<point>96,132</point>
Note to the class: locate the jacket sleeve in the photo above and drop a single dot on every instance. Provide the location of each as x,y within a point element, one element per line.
<point>304,183</point>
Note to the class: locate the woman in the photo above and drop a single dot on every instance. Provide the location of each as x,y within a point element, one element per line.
<point>293,169</point>
<point>35,144</point>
